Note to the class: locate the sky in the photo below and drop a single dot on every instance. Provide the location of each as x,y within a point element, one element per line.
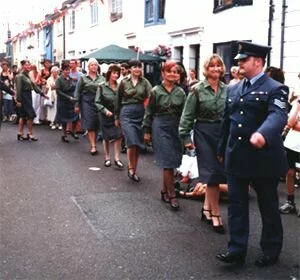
<point>17,13</point>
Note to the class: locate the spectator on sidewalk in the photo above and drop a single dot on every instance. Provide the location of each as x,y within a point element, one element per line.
<point>51,93</point>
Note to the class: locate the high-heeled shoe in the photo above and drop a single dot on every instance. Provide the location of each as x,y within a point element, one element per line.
<point>20,137</point>
<point>64,139</point>
<point>133,176</point>
<point>74,135</point>
<point>93,151</point>
<point>119,164</point>
<point>204,218</point>
<point>32,138</point>
<point>174,203</point>
<point>164,196</point>
<point>218,228</point>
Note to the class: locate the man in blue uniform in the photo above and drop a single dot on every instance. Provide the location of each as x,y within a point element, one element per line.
<point>252,149</point>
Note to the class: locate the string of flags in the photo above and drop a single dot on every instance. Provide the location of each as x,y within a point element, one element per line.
<point>56,16</point>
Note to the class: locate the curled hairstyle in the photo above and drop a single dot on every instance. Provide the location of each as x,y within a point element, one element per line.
<point>112,68</point>
<point>208,61</point>
<point>92,60</point>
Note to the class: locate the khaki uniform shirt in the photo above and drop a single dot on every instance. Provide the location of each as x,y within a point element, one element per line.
<point>162,102</point>
<point>202,104</point>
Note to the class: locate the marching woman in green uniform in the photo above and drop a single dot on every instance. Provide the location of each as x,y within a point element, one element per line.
<point>105,102</point>
<point>161,122</point>
<point>203,112</point>
<point>65,102</point>
<point>24,86</point>
<point>85,102</point>
<point>133,92</point>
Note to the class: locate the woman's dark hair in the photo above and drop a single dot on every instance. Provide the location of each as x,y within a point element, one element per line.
<point>65,66</point>
<point>134,62</point>
<point>125,65</point>
<point>275,73</point>
<point>182,72</point>
<point>112,68</point>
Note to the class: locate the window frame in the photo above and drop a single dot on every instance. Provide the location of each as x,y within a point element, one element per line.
<point>94,13</point>
<point>221,5</point>
<point>153,9</point>
<point>59,28</point>
<point>71,21</point>
<point>116,10</point>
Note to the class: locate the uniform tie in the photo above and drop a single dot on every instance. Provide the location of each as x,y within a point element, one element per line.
<point>247,84</point>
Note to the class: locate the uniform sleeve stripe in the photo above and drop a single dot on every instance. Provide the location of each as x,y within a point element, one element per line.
<point>280,104</point>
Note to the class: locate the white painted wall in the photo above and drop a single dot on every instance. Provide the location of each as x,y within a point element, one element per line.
<point>188,23</point>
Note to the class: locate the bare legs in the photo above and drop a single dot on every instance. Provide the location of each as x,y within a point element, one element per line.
<point>211,208</point>
<point>92,136</point>
<point>169,189</point>
<point>117,149</point>
<point>133,158</point>
<point>29,123</point>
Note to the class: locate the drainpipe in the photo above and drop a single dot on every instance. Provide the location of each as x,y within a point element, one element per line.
<point>271,13</point>
<point>284,6</point>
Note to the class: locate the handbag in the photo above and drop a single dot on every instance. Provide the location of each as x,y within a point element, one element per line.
<point>49,102</point>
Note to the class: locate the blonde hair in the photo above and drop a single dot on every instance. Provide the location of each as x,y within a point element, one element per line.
<point>209,60</point>
<point>54,69</point>
<point>92,60</point>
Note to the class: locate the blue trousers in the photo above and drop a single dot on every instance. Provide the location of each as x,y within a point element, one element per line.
<point>238,214</point>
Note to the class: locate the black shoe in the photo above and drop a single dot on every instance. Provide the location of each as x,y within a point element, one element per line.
<point>32,138</point>
<point>218,228</point>
<point>20,137</point>
<point>266,261</point>
<point>107,163</point>
<point>164,196</point>
<point>232,258</point>
<point>65,139</point>
<point>174,203</point>
<point>205,218</point>
<point>119,164</point>
<point>74,135</point>
<point>287,208</point>
<point>133,176</point>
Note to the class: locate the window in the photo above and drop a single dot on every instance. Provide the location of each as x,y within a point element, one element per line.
<point>72,21</point>
<point>227,50</point>
<point>94,13</point>
<point>116,10</point>
<point>155,11</point>
<point>59,27</point>
<point>221,5</point>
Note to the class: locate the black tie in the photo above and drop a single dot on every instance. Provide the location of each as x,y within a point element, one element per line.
<point>247,84</point>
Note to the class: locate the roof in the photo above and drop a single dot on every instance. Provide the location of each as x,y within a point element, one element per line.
<point>116,54</point>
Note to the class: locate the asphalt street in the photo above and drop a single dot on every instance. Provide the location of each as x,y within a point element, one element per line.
<point>63,215</point>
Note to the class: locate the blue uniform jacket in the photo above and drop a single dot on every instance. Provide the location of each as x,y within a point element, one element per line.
<point>261,108</point>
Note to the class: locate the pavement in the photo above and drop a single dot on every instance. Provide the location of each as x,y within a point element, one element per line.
<point>63,215</point>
